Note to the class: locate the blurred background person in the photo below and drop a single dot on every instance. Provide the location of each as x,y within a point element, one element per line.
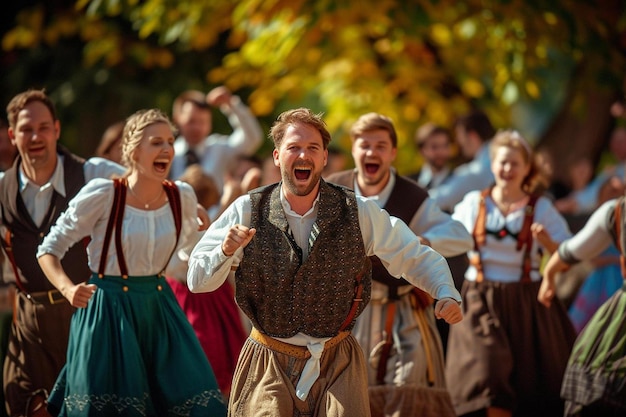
<point>197,143</point>
<point>434,143</point>
<point>110,146</point>
<point>473,132</point>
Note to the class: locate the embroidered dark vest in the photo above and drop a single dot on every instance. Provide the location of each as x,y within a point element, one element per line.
<point>26,235</point>
<point>404,201</point>
<point>284,295</point>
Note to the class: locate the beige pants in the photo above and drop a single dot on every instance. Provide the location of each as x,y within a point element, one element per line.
<point>264,383</point>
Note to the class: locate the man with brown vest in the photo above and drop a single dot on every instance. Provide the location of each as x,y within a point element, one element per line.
<point>33,192</point>
<point>397,330</point>
<point>301,252</point>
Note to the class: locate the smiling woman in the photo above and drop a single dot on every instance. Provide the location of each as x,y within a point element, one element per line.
<point>154,222</point>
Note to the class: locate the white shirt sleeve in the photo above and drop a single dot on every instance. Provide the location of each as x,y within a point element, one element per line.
<point>189,234</point>
<point>447,236</point>
<point>97,167</point>
<point>83,213</point>
<point>592,239</point>
<point>208,266</point>
<point>391,240</point>
<point>247,134</point>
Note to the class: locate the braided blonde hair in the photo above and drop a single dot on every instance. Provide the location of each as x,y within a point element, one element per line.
<point>134,129</point>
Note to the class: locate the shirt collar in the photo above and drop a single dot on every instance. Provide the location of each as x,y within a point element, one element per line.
<point>287,206</point>
<point>384,194</point>
<point>57,181</point>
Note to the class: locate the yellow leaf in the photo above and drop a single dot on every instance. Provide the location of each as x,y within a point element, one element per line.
<point>532,89</point>
<point>473,88</point>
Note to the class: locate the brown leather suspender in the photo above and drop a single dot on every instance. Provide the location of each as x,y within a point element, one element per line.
<point>524,238</point>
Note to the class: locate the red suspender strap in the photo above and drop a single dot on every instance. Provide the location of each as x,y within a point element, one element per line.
<point>618,235</point>
<point>480,235</point>
<point>358,294</point>
<point>173,196</point>
<point>119,220</point>
<point>117,186</point>
<point>8,249</point>
<point>525,238</point>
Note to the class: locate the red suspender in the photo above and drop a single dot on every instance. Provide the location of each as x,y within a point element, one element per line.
<point>117,217</point>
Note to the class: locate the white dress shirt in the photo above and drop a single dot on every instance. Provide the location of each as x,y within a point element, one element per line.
<point>217,151</point>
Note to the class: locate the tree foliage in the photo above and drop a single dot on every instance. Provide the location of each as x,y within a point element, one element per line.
<point>414,61</point>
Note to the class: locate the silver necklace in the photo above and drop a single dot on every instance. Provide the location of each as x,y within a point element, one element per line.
<point>145,205</point>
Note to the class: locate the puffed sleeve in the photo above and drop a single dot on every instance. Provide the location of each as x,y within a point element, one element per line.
<point>189,234</point>
<point>91,205</point>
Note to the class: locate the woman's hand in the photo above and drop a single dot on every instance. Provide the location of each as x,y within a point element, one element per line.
<point>449,310</point>
<point>80,294</point>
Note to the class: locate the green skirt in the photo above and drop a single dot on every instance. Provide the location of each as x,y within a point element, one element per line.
<point>132,352</point>
<point>595,377</point>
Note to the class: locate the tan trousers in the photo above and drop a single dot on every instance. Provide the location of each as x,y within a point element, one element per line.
<point>265,380</point>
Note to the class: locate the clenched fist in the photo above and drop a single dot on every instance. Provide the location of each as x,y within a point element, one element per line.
<point>449,310</point>
<point>238,237</point>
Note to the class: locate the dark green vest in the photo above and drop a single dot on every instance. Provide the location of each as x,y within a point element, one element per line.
<point>283,295</point>
<point>26,235</point>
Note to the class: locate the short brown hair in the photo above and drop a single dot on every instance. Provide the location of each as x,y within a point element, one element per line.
<point>429,130</point>
<point>192,96</point>
<point>20,101</point>
<point>374,121</point>
<point>300,115</point>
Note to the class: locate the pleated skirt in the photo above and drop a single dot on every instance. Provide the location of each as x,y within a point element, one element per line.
<point>132,352</point>
<point>509,351</point>
<point>595,378</point>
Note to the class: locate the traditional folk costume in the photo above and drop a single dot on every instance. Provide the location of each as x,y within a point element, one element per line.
<point>509,351</point>
<point>302,280</point>
<point>595,379</point>
<point>41,319</point>
<point>131,351</point>
<point>397,330</point>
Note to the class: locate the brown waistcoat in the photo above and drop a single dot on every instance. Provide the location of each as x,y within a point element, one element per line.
<point>284,295</point>
<point>26,235</point>
<point>404,201</point>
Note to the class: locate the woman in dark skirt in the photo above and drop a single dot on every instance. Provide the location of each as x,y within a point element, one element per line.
<point>595,378</point>
<point>508,355</point>
<point>131,350</point>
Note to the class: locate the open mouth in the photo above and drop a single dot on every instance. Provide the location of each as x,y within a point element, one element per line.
<point>371,168</point>
<point>161,166</point>
<point>302,174</point>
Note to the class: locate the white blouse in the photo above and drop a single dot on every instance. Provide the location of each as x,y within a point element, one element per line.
<point>501,261</point>
<point>148,236</point>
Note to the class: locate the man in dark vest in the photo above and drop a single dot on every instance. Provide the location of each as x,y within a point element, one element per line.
<point>397,330</point>
<point>301,251</point>
<point>33,192</point>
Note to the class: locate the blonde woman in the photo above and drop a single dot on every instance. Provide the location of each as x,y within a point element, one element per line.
<point>508,355</point>
<point>131,350</point>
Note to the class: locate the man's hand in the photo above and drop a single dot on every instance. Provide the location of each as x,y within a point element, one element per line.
<point>449,310</point>
<point>238,237</point>
<point>203,219</point>
<point>219,96</point>
<point>80,294</point>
